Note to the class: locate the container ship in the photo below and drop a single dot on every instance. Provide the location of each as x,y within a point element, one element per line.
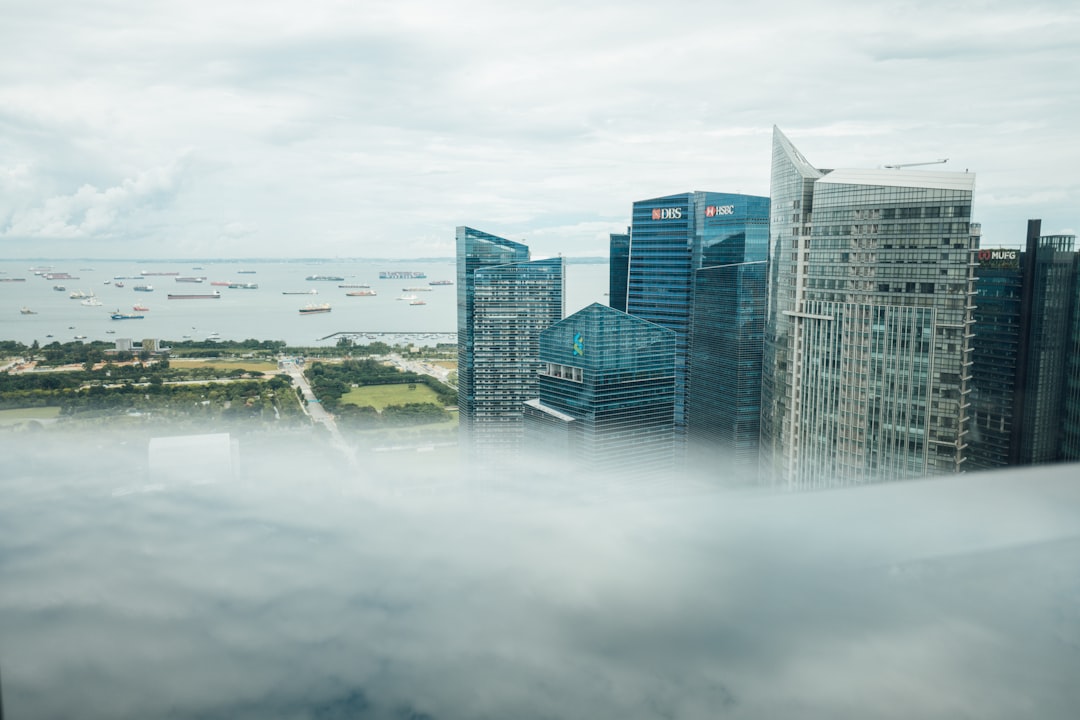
<point>195,296</point>
<point>401,275</point>
<point>313,309</point>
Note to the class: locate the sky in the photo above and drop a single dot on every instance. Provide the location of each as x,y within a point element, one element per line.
<point>372,129</point>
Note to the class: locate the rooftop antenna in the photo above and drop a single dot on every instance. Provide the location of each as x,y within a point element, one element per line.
<point>929,162</point>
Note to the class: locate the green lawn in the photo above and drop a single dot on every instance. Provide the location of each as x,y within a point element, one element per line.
<point>20,415</point>
<point>262,366</point>
<point>380,396</point>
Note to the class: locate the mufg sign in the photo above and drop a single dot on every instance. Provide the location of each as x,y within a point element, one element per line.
<point>999,258</point>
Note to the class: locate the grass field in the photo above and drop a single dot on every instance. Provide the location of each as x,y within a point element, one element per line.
<point>380,396</point>
<point>263,366</point>
<point>15,417</point>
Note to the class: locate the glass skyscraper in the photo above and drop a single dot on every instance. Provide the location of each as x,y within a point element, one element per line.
<point>723,391</point>
<point>868,329</point>
<point>671,239</point>
<point>618,267</point>
<point>1023,324</point>
<point>606,393</point>
<point>504,301</point>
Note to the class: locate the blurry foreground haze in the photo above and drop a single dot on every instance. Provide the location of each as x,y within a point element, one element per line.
<point>302,590</point>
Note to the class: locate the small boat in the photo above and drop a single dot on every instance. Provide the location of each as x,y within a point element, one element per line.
<point>313,309</point>
<point>27,311</point>
<point>80,337</point>
<point>59,288</point>
<point>144,288</point>
<point>126,316</point>
<point>78,295</point>
<point>118,284</point>
<point>91,302</point>
<point>140,308</point>
<point>407,297</point>
<point>245,272</point>
<point>417,302</point>
<point>108,282</point>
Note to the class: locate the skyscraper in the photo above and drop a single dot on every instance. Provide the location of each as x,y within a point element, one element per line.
<point>723,391</point>
<point>504,301</point>
<point>606,393</point>
<point>867,342</point>
<point>672,238</point>
<point>1023,323</point>
<point>618,267</point>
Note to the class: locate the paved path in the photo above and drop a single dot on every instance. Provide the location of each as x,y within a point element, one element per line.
<point>314,409</point>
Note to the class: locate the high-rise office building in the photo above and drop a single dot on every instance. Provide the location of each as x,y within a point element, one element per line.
<point>723,390</point>
<point>1070,411</point>
<point>618,268</point>
<point>504,301</point>
<point>1023,322</point>
<point>606,393</point>
<point>868,327</point>
<point>671,239</point>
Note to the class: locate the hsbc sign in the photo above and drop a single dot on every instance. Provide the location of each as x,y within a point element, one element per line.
<point>666,213</point>
<point>714,210</point>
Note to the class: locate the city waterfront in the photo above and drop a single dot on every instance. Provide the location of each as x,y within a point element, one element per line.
<point>270,311</point>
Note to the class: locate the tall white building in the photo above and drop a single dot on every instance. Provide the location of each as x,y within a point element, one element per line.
<point>868,327</point>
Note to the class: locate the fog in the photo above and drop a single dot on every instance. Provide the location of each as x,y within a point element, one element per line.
<point>299,588</point>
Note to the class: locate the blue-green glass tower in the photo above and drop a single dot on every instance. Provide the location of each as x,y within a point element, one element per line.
<point>606,393</point>
<point>671,239</point>
<point>504,301</point>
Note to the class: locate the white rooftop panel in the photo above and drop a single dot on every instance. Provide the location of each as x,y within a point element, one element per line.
<point>930,179</point>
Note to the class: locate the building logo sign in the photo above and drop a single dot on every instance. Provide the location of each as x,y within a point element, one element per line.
<point>666,213</point>
<point>579,345</point>
<point>714,210</point>
<point>1001,258</point>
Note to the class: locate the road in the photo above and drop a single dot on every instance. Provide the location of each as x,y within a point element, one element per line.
<point>419,367</point>
<point>314,409</point>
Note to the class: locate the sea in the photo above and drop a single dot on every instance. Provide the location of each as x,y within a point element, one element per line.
<point>262,313</point>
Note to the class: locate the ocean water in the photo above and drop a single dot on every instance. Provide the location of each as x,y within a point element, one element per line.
<point>264,313</point>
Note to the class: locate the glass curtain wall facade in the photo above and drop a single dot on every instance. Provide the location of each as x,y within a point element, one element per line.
<point>998,288</point>
<point>869,333</point>
<point>475,250</point>
<point>1070,423</point>
<point>606,393</point>
<point>671,238</point>
<point>1052,278</point>
<point>618,267</point>
<point>723,397</point>
<point>512,305</point>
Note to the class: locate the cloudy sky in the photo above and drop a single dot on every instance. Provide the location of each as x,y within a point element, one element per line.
<point>285,129</point>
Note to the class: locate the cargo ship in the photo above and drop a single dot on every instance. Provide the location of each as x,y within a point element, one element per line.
<point>195,296</point>
<point>312,291</point>
<point>125,316</point>
<point>361,293</point>
<point>331,278</point>
<point>190,279</point>
<point>144,288</point>
<point>312,309</point>
<point>441,282</point>
<point>148,273</point>
<point>353,285</point>
<point>402,275</point>
<point>244,286</point>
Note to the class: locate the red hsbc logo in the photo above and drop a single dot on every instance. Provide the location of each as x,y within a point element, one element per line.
<point>714,210</point>
<point>666,213</point>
